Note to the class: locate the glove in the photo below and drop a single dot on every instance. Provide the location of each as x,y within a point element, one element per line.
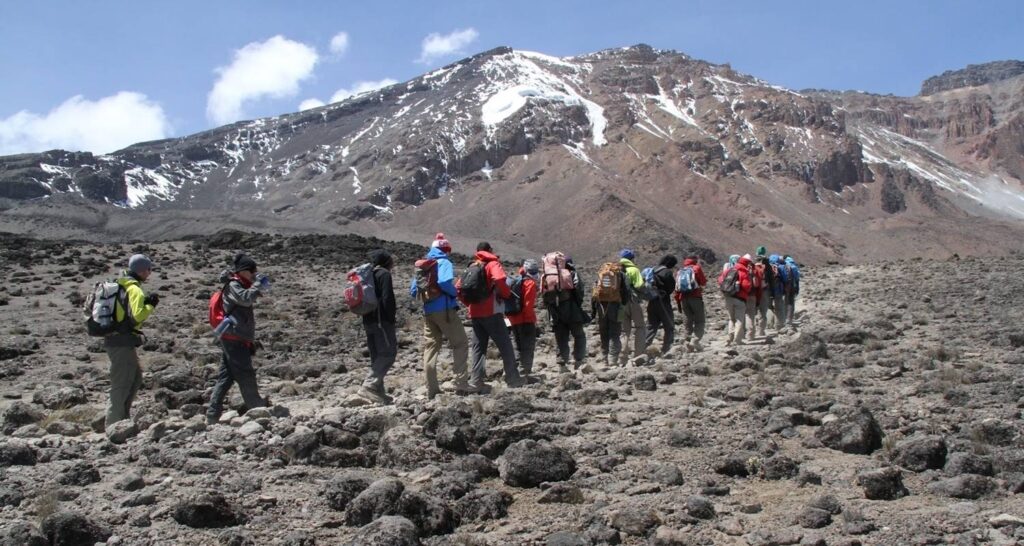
<point>152,299</point>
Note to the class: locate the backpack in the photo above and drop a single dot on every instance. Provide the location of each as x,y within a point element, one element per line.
<point>217,310</point>
<point>514,303</point>
<point>609,283</point>
<point>650,290</point>
<point>686,280</point>
<point>427,289</point>
<point>777,283</point>
<point>360,292</point>
<point>473,286</point>
<point>758,278</point>
<point>555,276</point>
<point>100,309</point>
<point>792,285</point>
<point>729,283</point>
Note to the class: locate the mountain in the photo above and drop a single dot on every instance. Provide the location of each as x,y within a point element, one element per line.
<point>632,146</point>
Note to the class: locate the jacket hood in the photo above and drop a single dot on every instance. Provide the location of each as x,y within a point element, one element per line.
<point>774,259</point>
<point>380,258</point>
<point>669,261</point>
<point>689,261</point>
<point>485,256</point>
<point>790,261</point>
<point>128,278</point>
<point>744,261</point>
<point>436,253</point>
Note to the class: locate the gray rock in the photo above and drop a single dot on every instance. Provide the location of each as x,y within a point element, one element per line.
<point>785,417</point>
<point>678,437</point>
<point>10,496</point>
<point>17,415</point>
<point>737,464</point>
<point>644,382</point>
<point>561,492</point>
<point>21,533</point>
<point>779,467</point>
<point>387,531</point>
<point>80,474</point>
<point>16,453</point>
<point>665,474</point>
<point>634,520</point>
<point>430,515</point>
<point>297,538</point>
<point>968,463</point>
<point>299,445</point>
<point>882,484</point>
<point>60,397</point>
<point>851,431</point>
<point>995,432</point>
<point>565,538</point>
<point>402,447</point>
<point>814,518</point>
<point>964,486</point>
<point>528,463</point>
<point>666,536</point>
<point>207,510</point>
<point>483,504</point>
<point>68,528</point>
<point>340,490</point>
<point>920,453</point>
<point>700,507</point>
<point>121,431</point>
<point>130,482</point>
<point>828,503</point>
<point>335,437</point>
<point>379,499</point>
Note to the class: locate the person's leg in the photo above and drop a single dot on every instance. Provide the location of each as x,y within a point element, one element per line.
<point>640,330</point>
<point>479,350</point>
<point>779,302</point>
<point>790,308</point>
<point>497,330</point>
<point>739,329</point>
<point>220,389</point>
<point>762,312</point>
<point>136,385</point>
<point>689,322</point>
<point>451,327</point>
<point>751,314</point>
<point>579,343</point>
<point>615,338</point>
<point>385,343</point>
<point>562,342</point>
<point>240,362</point>
<point>432,336</point>
<point>529,347</point>
<point>124,364</point>
<point>668,321</point>
<point>654,320</point>
<point>602,331</point>
<point>699,319</point>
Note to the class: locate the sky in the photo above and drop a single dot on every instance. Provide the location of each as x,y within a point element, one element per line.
<point>98,76</point>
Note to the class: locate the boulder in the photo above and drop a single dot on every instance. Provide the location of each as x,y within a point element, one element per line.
<point>387,531</point>
<point>851,431</point>
<point>968,463</point>
<point>483,504</point>
<point>207,510</point>
<point>528,463</point>
<point>121,431</point>
<point>60,397</point>
<point>17,415</point>
<point>700,507</point>
<point>340,490</point>
<point>964,486</point>
<point>882,484</point>
<point>17,454</point>
<point>920,453</point>
<point>66,528</point>
<point>381,498</point>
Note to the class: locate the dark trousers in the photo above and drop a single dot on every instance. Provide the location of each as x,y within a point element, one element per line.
<point>484,330</point>
<point>382,342</point>
<point>565,330</point>
<point>660,316</point>
<point>609,327</point>
<point>525,336</point>
<point>696,317</point>
<point>235,367</point>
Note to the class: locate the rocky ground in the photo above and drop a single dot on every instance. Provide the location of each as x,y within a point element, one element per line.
<point>890,415</point>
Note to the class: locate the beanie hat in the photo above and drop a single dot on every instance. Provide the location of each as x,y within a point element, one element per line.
<point>380,257</point>
<point>627,253</point>
<point>244,263</point>
<point>139,263</point>
<point>762,251</point>
<point>747,257</point>
<point>442,243</point>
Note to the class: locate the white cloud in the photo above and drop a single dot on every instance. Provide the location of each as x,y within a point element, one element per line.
<point>361,87</point>
<point>436,46</point>
<point>309,104</point>
<point>78,124</point>
<point>339,44</point>
<point>270,69</point>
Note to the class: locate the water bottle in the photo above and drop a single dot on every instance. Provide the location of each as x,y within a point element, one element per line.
<point>228,322</point>
<point>264,283</point>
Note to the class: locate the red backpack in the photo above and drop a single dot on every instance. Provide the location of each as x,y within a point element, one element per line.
<point>217,313</point>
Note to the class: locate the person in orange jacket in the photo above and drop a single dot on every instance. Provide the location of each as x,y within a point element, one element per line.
<point>756,292</point>
<point>691,303</point>
<point>524,323</point>
<point>736,305</point>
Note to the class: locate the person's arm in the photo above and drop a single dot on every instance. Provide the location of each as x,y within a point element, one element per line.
<point>702,280</point>
<point>386,294</point>
<point>446,278</point>
<point>497,275</point>
<point>137,303</point>
<point>412,288</point>
<point>236,294</point>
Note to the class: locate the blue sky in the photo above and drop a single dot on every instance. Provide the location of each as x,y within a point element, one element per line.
<point>147,69</point>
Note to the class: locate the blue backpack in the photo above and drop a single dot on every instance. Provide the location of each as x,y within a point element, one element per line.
<point>650,291</point>
<point>686,280</point>
<point>791,278</point>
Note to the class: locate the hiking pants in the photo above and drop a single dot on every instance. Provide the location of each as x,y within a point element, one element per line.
<point>751,313</point>
<point>125,380</point>
<point>661,316</point>
<point>779,303</point>
<point>635,322</point>
<point>790,308</point>
<point>484,330</point>
<point>610,330</point>
<point>526,344</point>
<point>737,315</point>
<point>693,308</point>
<point>383,345</point>
<point>235,367</point>
<point>563,331</point>
<point>762,312</point>
<point>437,327</point>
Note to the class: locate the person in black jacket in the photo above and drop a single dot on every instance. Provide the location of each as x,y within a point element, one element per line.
<point>565,309</point>
<point>659,310</point>
<point>380,329</point>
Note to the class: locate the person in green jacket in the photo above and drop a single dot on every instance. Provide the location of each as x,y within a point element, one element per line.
<point>125,372</point>
<point>634,318</point>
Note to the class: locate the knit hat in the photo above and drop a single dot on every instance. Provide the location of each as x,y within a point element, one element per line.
<point>244,263</point>
<point>380,258</point>
<point>762,251</point>
<point>139,263</point>
<point>442,243</point>
<point>627,253</point>
<point>747,256</point>
<point>531,267</point>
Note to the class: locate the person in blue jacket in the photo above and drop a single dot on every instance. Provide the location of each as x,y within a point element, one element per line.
<point>776,291</point>
<point>441,318</point>
<point>790,273</point>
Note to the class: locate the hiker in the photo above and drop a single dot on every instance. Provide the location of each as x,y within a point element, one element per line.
<point>756,283</point>
<point>776,292</point>
<point>381,339</point>
<point>735,284</point>
<point>565,310</point>
<point>608,303</point>
<point>524,323</point>
<point>791,280</point>
<point>764,272</point>
<point>440,315</point>
<point>125,372</point>
<point>659,309</point>
<point>689,295</point>
<point>480,287</point>
<point>731,263</point>
<point>633,319</point>
<point>242,289</point>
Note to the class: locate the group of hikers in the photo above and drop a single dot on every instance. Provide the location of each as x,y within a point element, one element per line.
<point>631,306</point>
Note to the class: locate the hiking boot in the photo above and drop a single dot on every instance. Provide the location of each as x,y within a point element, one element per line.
<point>374,396</point>
<point>478,388</point>
<point>515,383</point>
<point>212,419</point>
<point>697,347</point>
<point>585,368</point>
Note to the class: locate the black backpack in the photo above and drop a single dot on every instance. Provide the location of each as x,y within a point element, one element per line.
<point>730,284</point>
<point>474,287</point>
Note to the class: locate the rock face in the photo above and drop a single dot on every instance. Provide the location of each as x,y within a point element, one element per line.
<point>973,75</point>
<point>851,431</point>
<point>528,464</point>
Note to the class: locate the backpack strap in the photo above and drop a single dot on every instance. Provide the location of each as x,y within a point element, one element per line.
<point>228,306</point>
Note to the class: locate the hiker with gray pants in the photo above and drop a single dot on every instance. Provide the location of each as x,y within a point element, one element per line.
<point>121,346</point>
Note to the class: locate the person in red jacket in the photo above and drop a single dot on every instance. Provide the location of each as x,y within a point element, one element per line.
<point>756,292</point>
<point>737,305</point>
<point>488,320</point>
<point>691,303</point>
<point>524,323</point>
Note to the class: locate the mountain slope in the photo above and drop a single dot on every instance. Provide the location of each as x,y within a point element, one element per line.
<point>632,146</point>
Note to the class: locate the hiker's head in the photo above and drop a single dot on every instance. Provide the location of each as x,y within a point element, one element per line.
<point>381,258</point>
<point>531,267</point>
<point>774,259</point>
<point>733,259</point>
<point>141,266</point>
<point>245,267</point>
<point>441,243</point>
<point>790,260</point>
<point>627,253</point>
<point>669,261</point>
<point>484,246</point>
<point>692,258</point>
<point>762,251</point>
